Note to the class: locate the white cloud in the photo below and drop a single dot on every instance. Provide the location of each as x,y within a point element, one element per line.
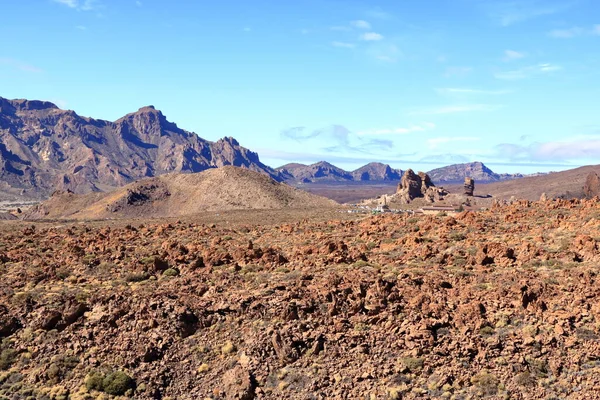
<point>454,109</point>
<point>434,143</point>
<point>343,45</point>
<point>399,131</point>
<point>361,24</point>
<point>574,32</point>
<point>11,62</point>
<point>509,12</point>
<point>566,33</point>
<point>526,72</point>
<point>510,55</point>
<point>371,37</point>
<point>68,3</point>
<point>81,5</point>
<point>384,52</point>
<point>579,148</point>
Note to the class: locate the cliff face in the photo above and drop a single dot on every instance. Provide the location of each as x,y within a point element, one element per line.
<point>44,148</point>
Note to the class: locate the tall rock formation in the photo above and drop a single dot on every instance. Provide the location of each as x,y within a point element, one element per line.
<point>44,148</point>
<point>592,185</point>
<point>469,186</point>
<point>413,186</point>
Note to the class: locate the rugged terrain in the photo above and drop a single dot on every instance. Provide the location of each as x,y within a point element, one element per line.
<point>175,195</point>
<point>457,173</point>
<point>323,172</point>
<point>44,148</point>
<point>499,304</point>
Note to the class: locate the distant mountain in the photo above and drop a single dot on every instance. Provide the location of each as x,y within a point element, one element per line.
<point>323,171</point>
<point>320,171</point>
<point>44,148</point>
<point>377,172</point>
<point>457,173</point>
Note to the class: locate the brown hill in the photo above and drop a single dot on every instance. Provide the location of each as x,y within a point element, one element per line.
<point>556,184</point>
<point>173,195</point>
<point>44,148</point>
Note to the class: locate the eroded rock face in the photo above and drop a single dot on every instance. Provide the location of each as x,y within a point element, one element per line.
<point>592,185</point>
<point>419,185</point>
<point>44,148</point>
<point>469,186</point>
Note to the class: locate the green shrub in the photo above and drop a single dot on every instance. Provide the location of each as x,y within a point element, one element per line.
<point>171,272</point>
<point>411,363</point>
<point>94,381</point>
<point>487,383</point>
<point>117,383</point>
<point>137,277</point>
<point>7,358</point>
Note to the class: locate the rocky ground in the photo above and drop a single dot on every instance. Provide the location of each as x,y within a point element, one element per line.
<point>499,304</point>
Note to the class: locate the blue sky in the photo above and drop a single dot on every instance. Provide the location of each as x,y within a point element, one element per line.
<point>419,84</point>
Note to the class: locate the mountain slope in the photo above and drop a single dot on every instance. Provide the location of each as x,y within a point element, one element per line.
<point>456,173</point>
<point>323,171</point>
<point>174,195</point>
<point>376,172</point>
<point>44,148</point>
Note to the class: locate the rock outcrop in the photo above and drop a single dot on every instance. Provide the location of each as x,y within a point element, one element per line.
<point>469,186</point>
<point>419,185</point>
<point>592,185</point>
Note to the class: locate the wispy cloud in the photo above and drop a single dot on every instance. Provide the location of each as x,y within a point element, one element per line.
<point>384,52</point>
<point>139,3</point>
<point>20,65</point>
<point>454,109</point>
<point>361,24</point>
<point>336,138</point>
<point>399,131</point>
<point>468,91</point>
<point>575,31</point>
<point>344,45</point>
<point>81,27</point>
<point>579,148</point>
<point>510,12</point>
<point>434,143</point>
<point>371,37</point>
<point>529,71</point>
<point>510,55</point>
<point>81,5</point>
<point>379,13</point>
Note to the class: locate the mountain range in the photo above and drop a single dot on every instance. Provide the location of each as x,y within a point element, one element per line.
<point>44,148</point>
<point>323,171</point>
